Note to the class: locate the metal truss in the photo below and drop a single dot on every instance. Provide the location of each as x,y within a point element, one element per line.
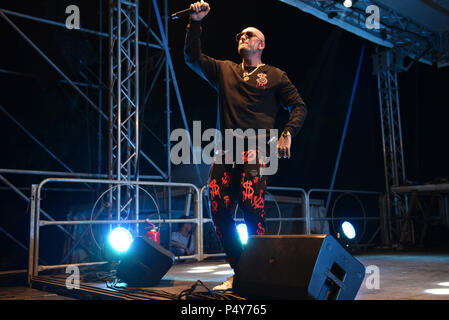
<point>124,151</point>
<point>396,31</point>
<point>124,124</point>
<point>385,66</point>
<point>124,105</point>
<point>401,37</point>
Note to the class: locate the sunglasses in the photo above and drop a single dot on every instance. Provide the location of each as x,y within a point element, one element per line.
<point>248,34</point>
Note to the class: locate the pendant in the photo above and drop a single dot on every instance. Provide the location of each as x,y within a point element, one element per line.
<point>245,78</point>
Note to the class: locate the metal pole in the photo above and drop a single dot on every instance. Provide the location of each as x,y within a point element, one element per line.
<point>308,217</point>
<point>31,248</point>
<point>199,205</point>
<point>198,248</point>
<point>168,112</point>
<point>129,109</point>
<point>50,22</point>
<point>402,179</point>
<point>380,77</point>
<point>187,203</point>
<point>34,239</point>
<point>53,173</point>
<point>152,32</point>
<point>100,88</point>
<point>62,25</point>
<point>118,160</point>
<point>348,115</point>
<point>161,62</point>
<point>137,113</point>
<point>111,105</point>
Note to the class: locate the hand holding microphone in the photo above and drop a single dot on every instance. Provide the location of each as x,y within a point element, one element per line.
<point>199,10</point>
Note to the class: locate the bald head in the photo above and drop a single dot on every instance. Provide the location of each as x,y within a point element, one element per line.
<point>256,31</point>
<point>251,42</point>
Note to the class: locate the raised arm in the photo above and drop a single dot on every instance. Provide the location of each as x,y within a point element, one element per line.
<point>206,67</point>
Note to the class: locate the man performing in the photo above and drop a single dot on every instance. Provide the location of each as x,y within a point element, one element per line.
<point>250,95</point>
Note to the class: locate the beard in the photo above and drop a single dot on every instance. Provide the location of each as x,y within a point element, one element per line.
<point>244,50</point>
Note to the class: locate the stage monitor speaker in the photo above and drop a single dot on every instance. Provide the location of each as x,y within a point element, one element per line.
<point>145,263</point>
<point>297,267</point>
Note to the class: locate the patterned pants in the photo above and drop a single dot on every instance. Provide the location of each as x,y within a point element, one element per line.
<point>230,184</point>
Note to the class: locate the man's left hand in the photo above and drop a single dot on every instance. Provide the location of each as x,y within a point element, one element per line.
<point>284,144</point>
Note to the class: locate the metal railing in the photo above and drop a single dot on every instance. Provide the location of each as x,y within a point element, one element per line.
<point>36,223</point>
<point>354,194</point>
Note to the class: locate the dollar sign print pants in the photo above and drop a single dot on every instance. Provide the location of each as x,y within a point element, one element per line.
<point>229,185</point>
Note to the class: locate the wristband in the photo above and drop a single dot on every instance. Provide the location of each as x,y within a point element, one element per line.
<point>286,133</point>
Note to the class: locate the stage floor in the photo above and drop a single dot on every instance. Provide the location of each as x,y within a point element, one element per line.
<point>401,276</point>
<point>407,276</point>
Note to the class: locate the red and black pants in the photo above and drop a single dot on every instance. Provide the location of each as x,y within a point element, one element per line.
<point>232,184</point>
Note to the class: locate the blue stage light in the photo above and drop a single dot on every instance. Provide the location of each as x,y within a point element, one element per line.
<point>347,3</point>
<point>120,239</point>
<point>243,232</point>
<point>348,230</point>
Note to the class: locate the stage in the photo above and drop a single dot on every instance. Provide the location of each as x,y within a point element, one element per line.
<point>401,276</point>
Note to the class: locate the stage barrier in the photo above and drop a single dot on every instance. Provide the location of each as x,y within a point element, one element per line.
<point>36,223</point>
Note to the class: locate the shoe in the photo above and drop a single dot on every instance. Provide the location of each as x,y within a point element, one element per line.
<point>226,285</point>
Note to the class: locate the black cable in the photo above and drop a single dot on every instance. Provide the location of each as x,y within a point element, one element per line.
<point>99,276</point>
<point>191,294</point>
<point>142,293</point>
<point>198,291</point>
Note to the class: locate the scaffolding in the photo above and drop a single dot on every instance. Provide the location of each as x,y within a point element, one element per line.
<point>386,66</point>
<point>397,36</point>
<point>124,128</point>
<point>124,106</point>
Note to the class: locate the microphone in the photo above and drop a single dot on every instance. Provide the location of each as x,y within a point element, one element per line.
<point>185,12</point>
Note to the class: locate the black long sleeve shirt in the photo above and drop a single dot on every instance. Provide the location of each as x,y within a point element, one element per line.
<point>251,104</point>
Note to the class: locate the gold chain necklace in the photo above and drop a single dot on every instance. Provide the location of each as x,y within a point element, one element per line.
<point>246,74</point>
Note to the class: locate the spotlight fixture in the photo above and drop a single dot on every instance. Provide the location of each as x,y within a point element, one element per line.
<point>347,3</point>
<point>120,239</point>
<point>348,230</point>
<point>243,233</point>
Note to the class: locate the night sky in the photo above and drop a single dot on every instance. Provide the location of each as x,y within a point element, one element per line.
<point>320,59</point>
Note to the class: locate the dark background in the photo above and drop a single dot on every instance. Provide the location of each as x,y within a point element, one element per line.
<point>320,59</point>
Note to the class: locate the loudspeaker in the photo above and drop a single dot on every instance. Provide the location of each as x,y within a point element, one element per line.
<point>145,263</point>
<point>297,267</point>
